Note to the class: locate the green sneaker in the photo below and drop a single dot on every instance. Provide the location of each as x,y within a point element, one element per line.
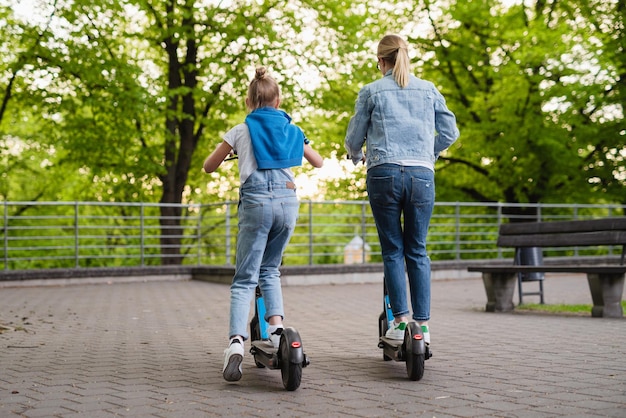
<point>426,333</point>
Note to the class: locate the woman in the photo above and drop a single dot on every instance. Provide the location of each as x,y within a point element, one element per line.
<point>405,125</point>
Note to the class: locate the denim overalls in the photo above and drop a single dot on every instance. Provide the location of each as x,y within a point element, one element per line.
<point>268,211</point>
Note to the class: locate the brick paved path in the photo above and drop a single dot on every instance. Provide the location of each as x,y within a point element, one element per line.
<point>155,349</point>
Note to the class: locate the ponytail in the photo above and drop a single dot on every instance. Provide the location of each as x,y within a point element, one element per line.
<point>394,50</point>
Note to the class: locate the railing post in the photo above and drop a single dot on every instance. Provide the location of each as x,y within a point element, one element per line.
<point>363,234</point>
<point>76,236</point>
<point>499,211</point>
<point>310,203</point>
<point>199,234</point>
<point>227,233</point>
<point>610,214</point>
<point>6,235</point>
<point>575,217</point>
<point>142,236</point>
<point>457,230</point>
<point>539,214</point>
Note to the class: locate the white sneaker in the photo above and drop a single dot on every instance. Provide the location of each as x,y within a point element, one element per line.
<point>396,331</point>
<point>275,337</point>
<point>233,357</point>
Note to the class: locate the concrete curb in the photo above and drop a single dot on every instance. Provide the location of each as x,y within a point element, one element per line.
<point>291,275</point>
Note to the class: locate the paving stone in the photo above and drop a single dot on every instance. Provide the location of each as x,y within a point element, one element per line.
<point>155,349</point>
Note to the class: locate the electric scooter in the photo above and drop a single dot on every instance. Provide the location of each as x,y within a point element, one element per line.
<point>412,350</point>
<point>289,357</point>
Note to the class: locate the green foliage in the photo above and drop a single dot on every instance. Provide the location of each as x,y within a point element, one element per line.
<point>581,309</point>
<point>123,100</point>
<point>128,91</point>
<point>129,97</point>
<point>524,103</point>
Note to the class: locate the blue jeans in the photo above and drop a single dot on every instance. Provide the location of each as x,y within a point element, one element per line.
<point>268,210</point>
<point>397,192</point>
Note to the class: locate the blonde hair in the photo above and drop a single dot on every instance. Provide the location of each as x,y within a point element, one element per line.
<point>394,50</point>
<point>263,90</point>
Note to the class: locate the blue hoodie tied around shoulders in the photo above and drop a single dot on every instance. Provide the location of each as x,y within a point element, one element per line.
<point>275,141</point>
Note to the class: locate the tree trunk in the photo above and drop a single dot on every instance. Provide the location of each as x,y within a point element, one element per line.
<point>180,143</point>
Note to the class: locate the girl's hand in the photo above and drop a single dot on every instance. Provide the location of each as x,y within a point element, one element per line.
<point>217,157</point>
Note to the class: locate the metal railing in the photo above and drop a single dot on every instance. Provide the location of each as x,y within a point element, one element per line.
<point>96,234</point>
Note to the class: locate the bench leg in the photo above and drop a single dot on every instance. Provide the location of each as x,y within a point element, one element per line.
<point>606,293</point>
<point>500,288</point>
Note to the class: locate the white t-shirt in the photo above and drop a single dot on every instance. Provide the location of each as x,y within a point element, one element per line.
<point>239,139</point>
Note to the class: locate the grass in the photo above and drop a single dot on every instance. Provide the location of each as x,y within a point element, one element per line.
<point>559,308</point>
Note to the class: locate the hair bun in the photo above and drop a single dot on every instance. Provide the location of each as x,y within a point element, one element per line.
<point>260,73</point>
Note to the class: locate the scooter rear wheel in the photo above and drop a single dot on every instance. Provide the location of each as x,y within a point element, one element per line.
<point>290,372</point>
<point>415,352</point>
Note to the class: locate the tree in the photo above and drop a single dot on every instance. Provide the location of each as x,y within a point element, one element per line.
<point>599,110</point>
<point>531,88</point>
<point>128,90</point>
<point>123,99</point>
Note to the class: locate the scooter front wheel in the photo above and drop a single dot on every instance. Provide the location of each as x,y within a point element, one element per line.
<point>415,351</point>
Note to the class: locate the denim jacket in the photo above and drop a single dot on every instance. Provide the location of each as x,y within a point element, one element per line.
<point>400,124</point>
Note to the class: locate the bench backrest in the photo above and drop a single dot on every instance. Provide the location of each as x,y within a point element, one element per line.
<point>608,231</point>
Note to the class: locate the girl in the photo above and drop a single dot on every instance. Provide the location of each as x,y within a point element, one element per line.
<point>267,146</point>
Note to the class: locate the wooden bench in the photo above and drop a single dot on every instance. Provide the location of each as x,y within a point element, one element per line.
<point>606,282</point>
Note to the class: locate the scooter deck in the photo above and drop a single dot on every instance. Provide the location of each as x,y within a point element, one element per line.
<point>265,346</point>
<point>265,354</point>
<point>391,342</point>
<point>393,349</point>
